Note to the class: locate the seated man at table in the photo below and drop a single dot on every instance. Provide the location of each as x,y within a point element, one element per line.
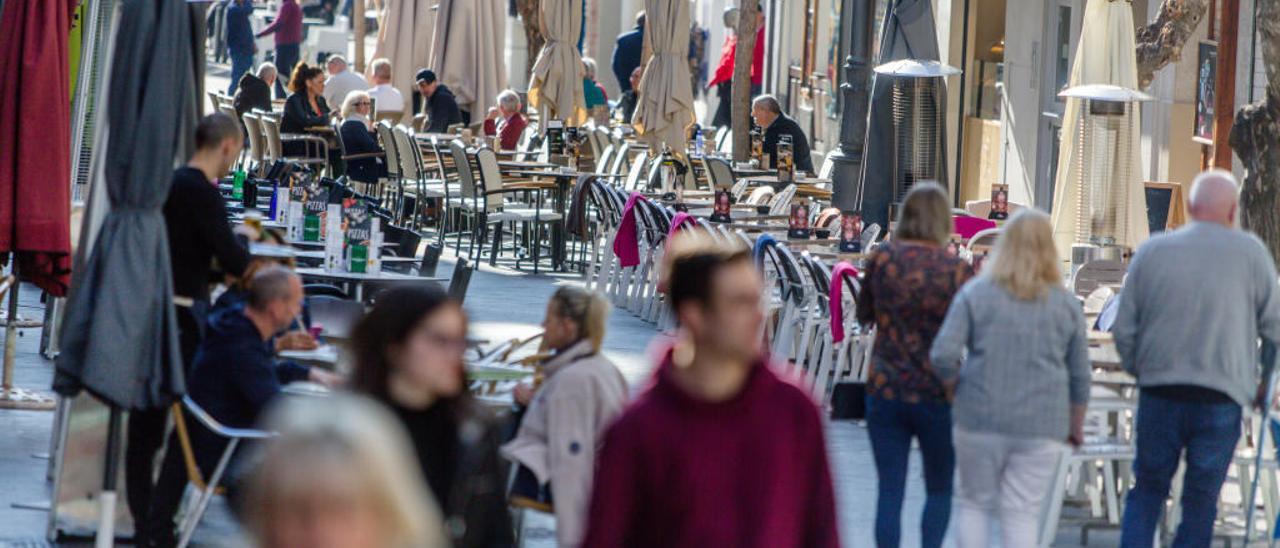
<point>441,106</point>
<point>505,120</point>
<point>627,104</point>
<point>386,98</point>
<point>341,80</point>
<point>767,113</point>
<point>234,378</point>
<point>255,90</point>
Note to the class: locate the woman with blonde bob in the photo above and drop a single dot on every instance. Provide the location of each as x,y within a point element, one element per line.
<point>566,418</point>
<point>339,475</point>
<point>1024,384</point>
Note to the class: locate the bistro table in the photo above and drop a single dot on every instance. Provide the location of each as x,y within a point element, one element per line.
<point>325,355</point>
<point>358,279</point>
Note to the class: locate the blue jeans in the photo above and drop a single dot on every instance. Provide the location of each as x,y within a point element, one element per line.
<point>892,424</point>
<point>1166,428</point>
<point>240,64</point>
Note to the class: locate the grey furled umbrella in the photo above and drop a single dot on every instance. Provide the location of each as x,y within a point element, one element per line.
<point>120,333</point>
<point>908,32</point>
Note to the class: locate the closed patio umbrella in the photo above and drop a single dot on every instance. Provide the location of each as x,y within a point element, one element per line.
<point>1106,55</point>
<point>35,133</point>
<point>665,111</point>
<point>908,32</point>
<point>404,38</point>
<point>119,334</point>
<point>467,52</point>
<point>555,88</point>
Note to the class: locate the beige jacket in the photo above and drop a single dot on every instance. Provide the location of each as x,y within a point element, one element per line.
<point>563,428</point>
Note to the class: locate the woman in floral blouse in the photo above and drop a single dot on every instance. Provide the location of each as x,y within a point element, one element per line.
<point>908,285</point>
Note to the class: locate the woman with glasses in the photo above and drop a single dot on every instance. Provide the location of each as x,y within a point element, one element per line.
<point>358,139</point>
<point>408,354</point>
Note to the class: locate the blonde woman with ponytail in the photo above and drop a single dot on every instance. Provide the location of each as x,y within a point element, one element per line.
<point>1021,394</point>
<point>566,418</point>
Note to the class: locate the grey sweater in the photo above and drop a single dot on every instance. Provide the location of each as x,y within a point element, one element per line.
<point>1194,305</point>
<point>1027,362</point>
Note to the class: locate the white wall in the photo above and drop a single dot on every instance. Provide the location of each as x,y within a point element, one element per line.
<point>1023,57</point>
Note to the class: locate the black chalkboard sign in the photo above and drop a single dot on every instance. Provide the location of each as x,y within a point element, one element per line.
<point>1158,200</point>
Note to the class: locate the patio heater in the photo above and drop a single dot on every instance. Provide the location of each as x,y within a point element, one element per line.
<point>918,123</point>
<point>1104,166</point>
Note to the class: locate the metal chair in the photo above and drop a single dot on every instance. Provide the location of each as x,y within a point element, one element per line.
<point>497,211</point>
<point>257,147</point>
<point>206,489</point>
<point>276,140</point>
<point>720,173</point>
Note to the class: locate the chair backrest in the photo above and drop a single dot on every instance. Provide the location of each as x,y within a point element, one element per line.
<point>984,238</point>
<point>828,164</point>
<point>637,170</point>
<point>869,235</point>
<point>491,177</point>
<point>257,146</point>
<point>604,159</point>
<point>721,132</point>
<point>820,277</point>
<point>620,154</point>
<point>388,138</point>
<point>1095,274</point>
<point>760,195</point>
<point>408,153</point>
<point>720,173</point>
<point>653,181</point>
<point>462,164</point>
<point>460,280</point>
<point>271,130</point>
<point>739,187</point>
<point>337,135</point>
<point>338,316</point>
<point>781,203</point>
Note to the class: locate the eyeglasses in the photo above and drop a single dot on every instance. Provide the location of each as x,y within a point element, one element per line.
<point>363,103</point>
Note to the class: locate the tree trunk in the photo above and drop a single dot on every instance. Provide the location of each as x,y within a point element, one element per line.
<point>530,12</point>
<point>1161,41</point>
<point>1256,139</point>
<point>740,114</point>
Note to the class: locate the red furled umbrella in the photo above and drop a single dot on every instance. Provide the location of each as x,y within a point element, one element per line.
<point>35,140</point>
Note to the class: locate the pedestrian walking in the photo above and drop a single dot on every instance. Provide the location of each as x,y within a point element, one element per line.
<point>907,288</point>
<point>719,451</point>
<point>1024,385</point>
<point>240,44</point>
<point>287,28</point>
<point>1194,305</point>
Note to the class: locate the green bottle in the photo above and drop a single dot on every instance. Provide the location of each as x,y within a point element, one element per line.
<point>359,258</point>
<point>237,185</point>
<point>311,228</point>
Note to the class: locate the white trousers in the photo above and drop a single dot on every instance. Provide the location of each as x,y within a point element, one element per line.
<point>1001,478</point>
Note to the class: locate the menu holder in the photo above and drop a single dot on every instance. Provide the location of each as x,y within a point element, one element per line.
<point>315,215</point>
<point>999,202</point>
<point>798,223</point>
<point>358,225</point>
<point>333,238</point>
<point>722,209</point>
<point>850,232</point>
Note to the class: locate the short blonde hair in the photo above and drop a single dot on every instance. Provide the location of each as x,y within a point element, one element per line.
<point>589,66</point>
<point>347,448</point>
<point>349,104</point>
<point>381,67</point>
<point>1025,260</point>
<point>925,215</point>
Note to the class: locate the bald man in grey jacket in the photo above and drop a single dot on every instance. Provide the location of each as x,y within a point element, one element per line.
<point>1195,304</point>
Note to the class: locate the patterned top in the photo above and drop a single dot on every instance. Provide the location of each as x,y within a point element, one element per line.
<point>906,290</point>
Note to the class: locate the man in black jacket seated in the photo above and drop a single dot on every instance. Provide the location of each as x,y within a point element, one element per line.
<point>255,91</point>
<point>767,113</point>
<point>196,220</point>
<point>234,379</point>
<point>441,106</point>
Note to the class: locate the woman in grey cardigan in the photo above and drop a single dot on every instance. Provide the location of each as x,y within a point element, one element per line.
<point>1024,384</point>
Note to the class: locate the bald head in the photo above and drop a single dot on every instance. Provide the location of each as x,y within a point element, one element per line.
<point>1214,197</point>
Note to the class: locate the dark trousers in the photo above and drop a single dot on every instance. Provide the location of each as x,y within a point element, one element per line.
<point>286,58</point>
<point>240,63</point>
<point>891,425</point>
<point>146,427</point>
<point>724,111</point>
<point>1167,429</point>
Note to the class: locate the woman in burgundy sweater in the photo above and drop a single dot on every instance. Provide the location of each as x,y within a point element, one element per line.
<point>718,451</point>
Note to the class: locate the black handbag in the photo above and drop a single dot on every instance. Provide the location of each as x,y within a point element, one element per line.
<point>849,401</point>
